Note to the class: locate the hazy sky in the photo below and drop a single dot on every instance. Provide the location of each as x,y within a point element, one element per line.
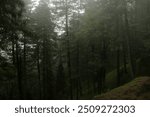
<point>36,1</point>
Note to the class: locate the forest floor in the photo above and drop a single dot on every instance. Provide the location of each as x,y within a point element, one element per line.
<point>138,89</point>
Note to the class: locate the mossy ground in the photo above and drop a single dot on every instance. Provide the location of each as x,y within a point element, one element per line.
<point>138,89</point>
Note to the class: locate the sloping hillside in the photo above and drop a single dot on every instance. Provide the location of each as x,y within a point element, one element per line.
<point>137,89</point>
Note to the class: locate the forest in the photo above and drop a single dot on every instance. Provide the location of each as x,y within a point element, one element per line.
<point>74,49</point>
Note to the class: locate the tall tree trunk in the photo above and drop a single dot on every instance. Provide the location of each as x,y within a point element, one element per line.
<point>124,59</point>
<point>103,60</point>
<point>118,36</point>
<point>78,77</point>
<point>44,70</point>
<point>87,75</point>
<point>39,70</point>
<point>13,51</point>
<point>24,57</point>
<point>79,86</point>
<point>68,50</point>
<point>128,41</point>
<point>19,74</point>
<point>25,95</point>
<point>118,67</point>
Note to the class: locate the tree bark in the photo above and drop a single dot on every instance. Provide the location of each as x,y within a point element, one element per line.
<point>39,70</point>
<point>19,70</point>
<point>68,50</point>
<point>128,42</point>
<point>118,67</point>
<point>13,51</point>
